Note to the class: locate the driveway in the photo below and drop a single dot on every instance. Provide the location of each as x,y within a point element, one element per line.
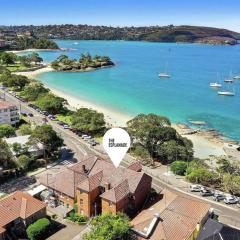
<point>70,231</point>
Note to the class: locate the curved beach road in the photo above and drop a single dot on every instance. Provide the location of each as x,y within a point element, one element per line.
<point>80,149</point>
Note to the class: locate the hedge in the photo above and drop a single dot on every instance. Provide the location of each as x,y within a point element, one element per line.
<point>37,230</point>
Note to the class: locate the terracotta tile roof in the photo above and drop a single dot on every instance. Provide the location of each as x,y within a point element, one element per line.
<point>135,167</point>
<point>92,182</point>
<point>93,172</point>
<point>18,204</point>
<point>65,182</point>
<point>117,193</point>
<point>179,217</point>
<point>6,105</point>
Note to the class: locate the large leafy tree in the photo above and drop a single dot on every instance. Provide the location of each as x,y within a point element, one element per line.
<point>88,120</point>
<point>51,103</point>
<point>33,90</point>
<point>13,80</point>
<point>6,130</point>
<point>47,136</point>
<point>7,58</point>
<point>34,57</point>
<point>5,154</point>
<point>156,135</point>
<point>109,227</point>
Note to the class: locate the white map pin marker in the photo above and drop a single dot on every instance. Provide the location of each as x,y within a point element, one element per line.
<point>116,142</point>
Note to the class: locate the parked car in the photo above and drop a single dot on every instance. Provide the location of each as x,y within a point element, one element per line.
<point>87,138</point>
<point>30,114</point>
<point>60,123</point>
<point>206,192</point>
<point>65,126</point>
<point>218,197</point>
<point>84,135</point>
<point>24,114</point>
<point>195,188</point>
<point>231,200</point>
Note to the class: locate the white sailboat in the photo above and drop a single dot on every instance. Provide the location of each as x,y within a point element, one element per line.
<point>164,74</point>
<point>215,85</point>
<point>237,77</point>
<point>226,93</point>
<point>230,79</point>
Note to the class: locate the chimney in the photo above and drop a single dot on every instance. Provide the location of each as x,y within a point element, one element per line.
<point>84,168</point>
<point>107,186</point>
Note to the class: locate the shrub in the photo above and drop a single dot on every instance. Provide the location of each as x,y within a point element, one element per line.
<point>179,167</point>
<point>78,218</point>
<point>37,230</point>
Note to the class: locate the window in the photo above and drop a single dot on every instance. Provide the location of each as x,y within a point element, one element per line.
<point>81,201</point>
<point>110,204</point>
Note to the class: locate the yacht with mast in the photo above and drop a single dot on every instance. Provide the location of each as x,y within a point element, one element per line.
<point>215,85</point>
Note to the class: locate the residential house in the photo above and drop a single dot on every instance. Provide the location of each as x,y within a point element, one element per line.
<point>98,187</point>
<point>213,230</point>
<point>17,211</point>
<point>8,113</point>
<point>35,150</point>
<point>171,217</point>
<point>3,43</point>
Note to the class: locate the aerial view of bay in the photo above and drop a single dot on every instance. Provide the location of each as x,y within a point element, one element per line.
<point>133,86</point>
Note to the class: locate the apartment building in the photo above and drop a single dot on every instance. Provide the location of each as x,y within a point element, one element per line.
<point>8,113</point>
<point>98,187</point>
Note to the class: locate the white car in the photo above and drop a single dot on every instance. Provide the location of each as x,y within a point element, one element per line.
<point>231,200</point>
<point>195,188</point>
<point>65,126</point>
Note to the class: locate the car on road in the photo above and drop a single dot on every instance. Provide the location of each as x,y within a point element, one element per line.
<point>65,126</point>
<point>84,135</point>
<point>205,192</point>
<point>92,142</point>
<point>195,188</point>
<point>60,123</point>
<point>218,197</point>
<point>87,138</point>
<point>30,114</point>
<point>231,200</point>
<point>24,114</point>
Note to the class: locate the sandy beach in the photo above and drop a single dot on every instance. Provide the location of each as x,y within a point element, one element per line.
<point>39,50</point>
<point>204,146</point>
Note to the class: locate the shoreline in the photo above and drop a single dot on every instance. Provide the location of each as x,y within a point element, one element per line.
<point>205,143</point>
<point>39,50</point>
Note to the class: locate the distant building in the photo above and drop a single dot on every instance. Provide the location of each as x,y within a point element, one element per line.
<point>213,230</point>
<point>3,43</point>
<point>17,211</point>
<point>172,217</point>
<point>8,113</point>
<point>98,187</point>
<point>35,150</point>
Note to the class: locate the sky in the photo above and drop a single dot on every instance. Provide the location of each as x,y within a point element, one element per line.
<point>213,13</point>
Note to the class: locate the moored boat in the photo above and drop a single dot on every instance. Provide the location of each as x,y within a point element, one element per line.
<point>215,85</point>
<point>237,77</point>
<point>164,75</point>
<point>226,93</point>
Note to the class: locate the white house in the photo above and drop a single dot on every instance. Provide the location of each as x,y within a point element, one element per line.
<point>36,150</point>
<point>8,113</point>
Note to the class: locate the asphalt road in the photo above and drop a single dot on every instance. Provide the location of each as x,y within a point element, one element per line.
<point>79,149</point>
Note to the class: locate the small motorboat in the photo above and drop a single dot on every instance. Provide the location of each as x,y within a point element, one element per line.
<point>237,77</point>
<point>164,75</point>
<point>226,93</point>
<point>228,80</point>
<point>215,85</point>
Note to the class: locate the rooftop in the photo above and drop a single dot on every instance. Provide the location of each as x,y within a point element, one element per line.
<point>6,105</point>
<point>18,204</point>
<point>218,231</point>
<point>171,218</point>
<point>94,172</point>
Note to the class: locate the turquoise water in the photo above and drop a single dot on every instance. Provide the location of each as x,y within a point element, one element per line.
<point>133,86</point>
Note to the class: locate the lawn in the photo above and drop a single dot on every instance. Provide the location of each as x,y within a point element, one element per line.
<point>64,118</point>
<point>18,67</point>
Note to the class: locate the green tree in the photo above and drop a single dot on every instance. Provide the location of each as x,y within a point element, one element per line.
<point>51,103</point>
<point>231,183</point>
<point>6,130</point>
<point>17,148</point>
<point>24,162</point>
<point>109,227</point>
<point>7,58</point>
<point>13,80</point>
<point>88,120</point>
<point>5,154</point>
<point>179,167</point>
<point>25,129</point>
<point>24,60</point>
<point>34,90</point>
<point>34,57</point>
<point>45,135</point>
<point>38,230</point>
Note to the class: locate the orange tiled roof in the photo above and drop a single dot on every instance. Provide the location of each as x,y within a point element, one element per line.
<point>92,182</point>
<point>5,105</point>
<point>18,204</point>
<point>117,193</point>
<point>179,217</point>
